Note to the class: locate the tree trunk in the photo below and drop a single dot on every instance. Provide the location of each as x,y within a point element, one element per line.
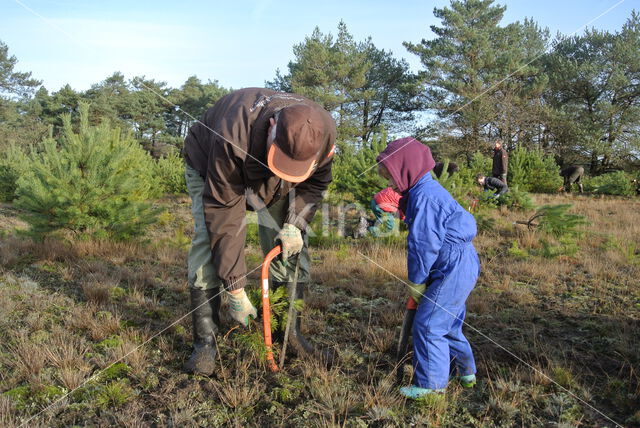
<point>593,167</point>
<point>365,122</point>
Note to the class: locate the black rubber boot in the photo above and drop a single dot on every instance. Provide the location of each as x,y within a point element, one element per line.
<point>298,342</point>
<point>205,317</point>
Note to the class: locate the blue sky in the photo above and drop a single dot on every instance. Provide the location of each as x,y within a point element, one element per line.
<point>239,43</point>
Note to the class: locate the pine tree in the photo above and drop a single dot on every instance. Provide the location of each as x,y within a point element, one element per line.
<point>556,221</point>
<point>169,174</point>
<point>532,171</point>
<point>594,97</point>
<point>13,163</point>
<point>14,83</point>
<point>459,67</point>
<point>363,86</point>
<point>16,126</point>
<point>95,181</point>
<point>355,170</point>
<point>455,184</point>
<point>481,79</point>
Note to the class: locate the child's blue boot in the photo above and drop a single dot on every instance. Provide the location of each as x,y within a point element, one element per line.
<point>415,392</point>
<point>468,381</point>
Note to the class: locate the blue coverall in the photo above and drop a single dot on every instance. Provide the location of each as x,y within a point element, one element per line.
<point>440,253</point>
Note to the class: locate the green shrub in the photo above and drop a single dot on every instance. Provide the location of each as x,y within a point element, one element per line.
<point>558,222</point>
<point>560,230</point>
<point>480,164</point>
<point>613,183</point>
<point>462,187</point>
<point>115,371</point>
<point>278,304</point>
<point>552,248</point>
<point>517,252</point>
<point>532,171</point>
<point>109,343</point>
<point>515,199</point>
<point>518,200</point>
<point>27,397</point>
<point>484,222</point>
<point>13,164</point>
<point>253,236</point>
<point>114,394</point>
<point>169,174</point>
<point>96,181</point>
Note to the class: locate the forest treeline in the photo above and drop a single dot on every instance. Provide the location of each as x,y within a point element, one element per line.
<point>575,98</point>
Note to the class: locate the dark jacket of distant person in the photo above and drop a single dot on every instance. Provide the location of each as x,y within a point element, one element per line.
<point>495,184</point>
<point>451,169</point>
<point>500,164</point>
<point>572,174</point>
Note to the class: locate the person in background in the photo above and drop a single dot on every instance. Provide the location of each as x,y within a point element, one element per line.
<point>443,268</point>
<point>492,183</point>
<point>385,207</point>
<point>451,169</point>
<point>571,174</point>
<point>500,162</point>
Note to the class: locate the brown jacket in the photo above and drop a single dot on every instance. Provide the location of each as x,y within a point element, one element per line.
<point>229,149</point>
<point>500,162</point>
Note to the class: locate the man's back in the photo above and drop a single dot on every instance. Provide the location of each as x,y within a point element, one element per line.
<point>491,183</point>
<point>241,119</point>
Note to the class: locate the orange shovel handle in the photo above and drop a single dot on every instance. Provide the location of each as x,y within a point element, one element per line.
<point>266,307</point>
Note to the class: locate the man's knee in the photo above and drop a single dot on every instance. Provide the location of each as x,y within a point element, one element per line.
<point>203,280</point>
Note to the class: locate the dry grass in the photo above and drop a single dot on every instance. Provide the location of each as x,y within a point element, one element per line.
<point>381,398</point>
<point>65,350</point>
<point>131,351</point>
<point>7,413</point>
<point>334,397</point>
<point>141,278</point>
<point>379,340</point>
<point>54,250</point>
<point>98,286</point>
<point>99,324</point>
<point>71,309</point>
<point>238,388</point>
<point>26,358</point>
<point>114,252</point>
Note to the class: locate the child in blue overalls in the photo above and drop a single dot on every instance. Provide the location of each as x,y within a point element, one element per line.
<point>442,264</point>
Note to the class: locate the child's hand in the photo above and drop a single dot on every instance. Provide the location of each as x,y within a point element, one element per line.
<point>416,291</point>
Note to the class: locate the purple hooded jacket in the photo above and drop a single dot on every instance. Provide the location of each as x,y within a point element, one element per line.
<point>407,160</point>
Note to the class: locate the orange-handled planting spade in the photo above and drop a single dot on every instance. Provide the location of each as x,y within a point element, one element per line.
<point>266,308</point>
<point>403,343</point>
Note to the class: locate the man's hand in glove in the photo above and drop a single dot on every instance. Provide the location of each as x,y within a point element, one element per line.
<point>291,239</point>
<point>416,291</point>
<point>240,308</point>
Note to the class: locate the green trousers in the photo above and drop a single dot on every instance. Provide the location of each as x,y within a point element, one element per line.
<point>202,273</point>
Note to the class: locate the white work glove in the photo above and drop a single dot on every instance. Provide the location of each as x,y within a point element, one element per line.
<point>291,239</point>
<point>241,308</point>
